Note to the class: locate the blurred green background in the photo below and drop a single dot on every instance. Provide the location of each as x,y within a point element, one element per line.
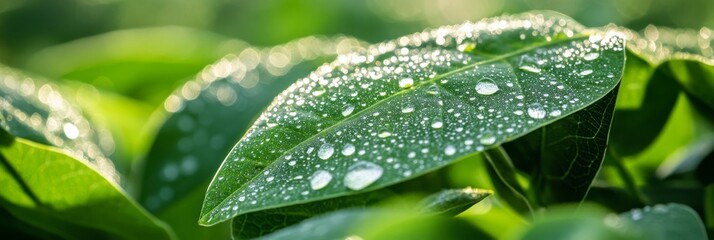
<point>29,26</point>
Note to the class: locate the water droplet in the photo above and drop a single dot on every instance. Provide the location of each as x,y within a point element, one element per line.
<point>325,151</point>
<point>466,47</point>
<point>270,179</point>
<point>586,72</point>
<point>449,150</point>
<point>487,138</point>
<point>318,91</point>
<point>529,68</point>
<point>320,179</point>
<point>384,134</point>
<point>347,110</point>
<point>555,113</point>
<point>536,111</point>
<point>437,124</point>
<point>433,90</point>
<point>349,149</point>
<point>408,109</point>
<point>362,174</point>
<point>591,56</point>
<point>406,82</point>
<point>636,214</point>
<point>486,86</point>
<point>70,130</point>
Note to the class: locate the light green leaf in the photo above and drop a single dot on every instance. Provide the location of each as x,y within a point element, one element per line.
<point>407,107</point>
<point>452,202</point>
<point>59,194</point>
<point>671,221</point>
<point>144,63</point>
<point>379,224</point>
<point>34,109</point>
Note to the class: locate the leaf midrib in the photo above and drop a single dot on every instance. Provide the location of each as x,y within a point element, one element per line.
<point>401,92</point>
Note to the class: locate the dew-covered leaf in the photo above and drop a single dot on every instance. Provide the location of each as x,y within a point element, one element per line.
<point>379,224</point>
<point>143,63</point>
<point>670,221</point>
<point>34,109</point>
<point>52,191</point>
<point>586,222</point>
<point>452,202</point>
<point>566,155</point>
<point>407,107</point>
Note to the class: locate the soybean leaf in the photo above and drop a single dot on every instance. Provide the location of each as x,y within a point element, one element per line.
<point>256,224</point>
<point>567,154</point>
<point>34,109</point>
<point>504,178</point>
<point>670,221</point>
<point>585,222</point>
<point>59,194</point>
<point>144,63</point>
<point>379,224</point>
<point>452,202</point>
<point>407,107</point>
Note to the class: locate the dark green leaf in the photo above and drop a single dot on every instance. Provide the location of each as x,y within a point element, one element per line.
<point>709,207</point>
<point>144,63</point>
<point>568,153</point>
<point>586,222</point>
<point>67,197</point>
<point>452,202</point>
<point>413,105</point>
<point>379,224</point>
<point>671,221</point>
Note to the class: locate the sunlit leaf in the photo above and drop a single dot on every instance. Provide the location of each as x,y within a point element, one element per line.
<point>410,106</point>
<point>59,194</point>
<point>34,109</point>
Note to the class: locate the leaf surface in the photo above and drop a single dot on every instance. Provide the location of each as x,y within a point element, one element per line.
<point>407,107</point>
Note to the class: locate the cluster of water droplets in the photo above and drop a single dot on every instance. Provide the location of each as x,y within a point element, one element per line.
<point>34,109</point>
<point>659,44</point>
<point>403,107</point>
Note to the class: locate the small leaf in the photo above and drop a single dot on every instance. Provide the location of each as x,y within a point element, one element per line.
<point>67,197</point>
<point>671,221</point>
<point>413,105</point>
<point>452,202</point>
<point>34,109</point>
<point>379,224</point>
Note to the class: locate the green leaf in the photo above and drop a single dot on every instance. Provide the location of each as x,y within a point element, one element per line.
<point>567,154</point>
<point>410,106</point>
<point>709,207</point>
<point>144,63</point>
<point>670,221</point>
<point>504,178</point>
<point>452,202</point>
<point>256,224</point>
<point>55,192</point>
<point>586,222</point>
<point>379,224</point>
<point>34,109</point>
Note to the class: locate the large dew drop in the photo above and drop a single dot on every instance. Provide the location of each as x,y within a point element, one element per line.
<point>362,174</point>
<point>406,83</point>
<point>536,111</point>
<point>348,150</point>
<point>529,68</point>
<point>347,110</point>
<point>486,86</point>
<point>325,151</point>
<point>449,150</point>
<point>487,139</point>
<point>320,179</point>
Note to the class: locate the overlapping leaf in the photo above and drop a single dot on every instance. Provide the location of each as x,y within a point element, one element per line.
<point>409,106</point>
